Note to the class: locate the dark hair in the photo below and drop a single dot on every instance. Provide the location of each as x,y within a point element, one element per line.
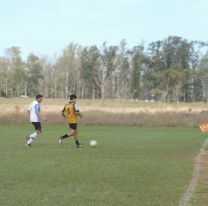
<point>39,96</point>
<point>72,96</point>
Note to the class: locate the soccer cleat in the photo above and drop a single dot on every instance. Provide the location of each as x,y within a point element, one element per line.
<point>79,145</point>
<point>60,140</point>
<point>28,145</point>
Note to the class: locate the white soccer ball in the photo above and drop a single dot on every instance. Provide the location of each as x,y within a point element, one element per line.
<point>93,143</point>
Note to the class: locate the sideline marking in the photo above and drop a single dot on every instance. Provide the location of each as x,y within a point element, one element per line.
<point>195,177</point>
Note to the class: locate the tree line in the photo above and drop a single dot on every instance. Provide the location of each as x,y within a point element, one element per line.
<point>173,69</point>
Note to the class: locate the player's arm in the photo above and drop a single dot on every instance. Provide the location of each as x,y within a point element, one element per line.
<point>79,114</point>
<point>37,109</point>
<point>76,109</point>
<point>63,113</point>
<point>41,116</point>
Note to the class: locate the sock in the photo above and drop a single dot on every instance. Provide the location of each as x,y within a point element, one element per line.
<point>77,142</point>
<point>32,137</point>
<point>64,136</point>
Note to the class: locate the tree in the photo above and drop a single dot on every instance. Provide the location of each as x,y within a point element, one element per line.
<point>17,79</point>
<point>203,74</point>
<point>89,64</point>
<point>179,51</point>
<point>34,75</point>
<point>171,83</point>
<point>137,65</point>
<point>67,71</point>
<point>172,58</point>
<point>167,70</point>
<point>122,77</point>
<point>106,68</point>
<point>3,77</point>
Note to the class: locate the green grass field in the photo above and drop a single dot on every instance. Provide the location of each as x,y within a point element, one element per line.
<point>131,166</point>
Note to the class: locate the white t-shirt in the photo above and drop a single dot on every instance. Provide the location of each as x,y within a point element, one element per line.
<point>33,108</point>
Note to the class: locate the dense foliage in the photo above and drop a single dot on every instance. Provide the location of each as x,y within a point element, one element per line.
<point>173,69</point>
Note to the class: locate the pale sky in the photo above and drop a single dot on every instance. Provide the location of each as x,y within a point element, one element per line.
<point>46,27</point>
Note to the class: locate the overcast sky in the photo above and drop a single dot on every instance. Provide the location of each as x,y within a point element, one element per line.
<point>46,27</point>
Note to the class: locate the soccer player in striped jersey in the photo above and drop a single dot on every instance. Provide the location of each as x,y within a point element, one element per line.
<point>70,113</point>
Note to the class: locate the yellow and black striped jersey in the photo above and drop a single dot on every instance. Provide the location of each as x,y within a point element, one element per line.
<point>71,110</point>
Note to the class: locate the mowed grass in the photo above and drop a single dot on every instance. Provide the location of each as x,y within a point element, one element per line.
<point>131,166</point>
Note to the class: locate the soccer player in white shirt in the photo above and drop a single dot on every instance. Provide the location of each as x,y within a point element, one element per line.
<point>35,119</point>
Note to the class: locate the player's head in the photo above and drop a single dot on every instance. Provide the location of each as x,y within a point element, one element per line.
<point>39,98</point>
<point>72,98</point>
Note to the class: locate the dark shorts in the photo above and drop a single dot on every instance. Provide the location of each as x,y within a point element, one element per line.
<point>73,126</point>
<point>37,125</point>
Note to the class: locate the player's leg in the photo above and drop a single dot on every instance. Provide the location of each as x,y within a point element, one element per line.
<point>33,136</point>
<point>74,133</point>
<point>71,133</point>
<point>61,138</point>
<point>76,140</point>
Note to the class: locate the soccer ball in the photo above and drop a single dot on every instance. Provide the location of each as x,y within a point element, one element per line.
<point>93,143</point>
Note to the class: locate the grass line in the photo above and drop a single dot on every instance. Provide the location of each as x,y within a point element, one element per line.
<point>195,178</point>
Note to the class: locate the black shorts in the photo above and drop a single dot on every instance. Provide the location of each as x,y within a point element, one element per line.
<point>37,125</point>
<point>73,126</point>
